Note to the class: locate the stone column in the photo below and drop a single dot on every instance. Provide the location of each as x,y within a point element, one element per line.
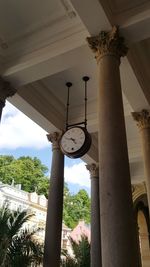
<point>143,122</point>
<point>95,216</point>
<point>6,90</point>
<point>118,236</point>
<point>52,247</point>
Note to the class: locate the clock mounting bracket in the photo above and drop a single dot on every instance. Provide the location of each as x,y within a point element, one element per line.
<point>76,141</point>
<point>69,85</point>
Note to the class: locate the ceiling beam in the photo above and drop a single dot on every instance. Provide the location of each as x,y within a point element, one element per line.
<point>57,57</point>
<point>137,28</point>
<point>134,29</point>
<point>92,15</point>
<point>32,113</point>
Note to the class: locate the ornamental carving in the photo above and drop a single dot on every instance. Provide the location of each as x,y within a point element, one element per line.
<point>93,169</point>
<point>108,43</point>
<point>6,90</point>
<point>54,138</point>
<point>142,118</point>
<point>138,190</point>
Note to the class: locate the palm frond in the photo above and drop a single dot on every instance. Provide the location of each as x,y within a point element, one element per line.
<point>16,221</point>
<point>23,245</point>
<point>17,246</point>
<point>81,251</point>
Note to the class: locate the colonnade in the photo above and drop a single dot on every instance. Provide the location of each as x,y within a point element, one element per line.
<point>113,230</point>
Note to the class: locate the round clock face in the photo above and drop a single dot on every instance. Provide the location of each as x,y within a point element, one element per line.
<point>72,140</point>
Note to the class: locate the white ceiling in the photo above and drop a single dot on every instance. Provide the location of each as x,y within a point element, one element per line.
<point>43,45</point>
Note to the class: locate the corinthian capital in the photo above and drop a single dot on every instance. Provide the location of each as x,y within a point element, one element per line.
<point>54,138</point>
<point>6,90</point>
<point>93,169</point>
<point>108,43</point>
<point>142,118</point>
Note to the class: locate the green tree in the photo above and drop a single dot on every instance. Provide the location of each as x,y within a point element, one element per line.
<point>27,171</point>
<point>17,247</point>
<point>76,207</point>
<point>31,174</point>
<point>81,251</point>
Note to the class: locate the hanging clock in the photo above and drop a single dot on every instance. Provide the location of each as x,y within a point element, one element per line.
<point>76,140</point>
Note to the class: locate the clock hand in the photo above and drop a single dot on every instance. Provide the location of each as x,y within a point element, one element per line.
<point>72,139</point>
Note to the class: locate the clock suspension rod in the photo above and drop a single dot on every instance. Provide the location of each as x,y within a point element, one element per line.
<point>75,124</point>
<point>68,84</point>
<point>85,79</point>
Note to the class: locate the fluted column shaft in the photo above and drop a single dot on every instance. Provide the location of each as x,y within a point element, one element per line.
<point>95,217</point>
<point>143,122</point>
<point>6,90</point>
<point>52,247</point>
<point>118,236</point>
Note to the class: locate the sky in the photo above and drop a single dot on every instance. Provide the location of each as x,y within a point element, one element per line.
<point>20,136</point>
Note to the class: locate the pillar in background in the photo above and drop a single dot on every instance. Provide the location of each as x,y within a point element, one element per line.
<point>6,90</point>
<point>95,216</point>
<point>143,122</point>
<point>52,249</point>
<point>118,236</point>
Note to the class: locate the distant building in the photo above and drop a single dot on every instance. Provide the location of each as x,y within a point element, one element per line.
<point>22,200</point>
<point>34,203</point>
<point>65,241</point>
<point>82,229</point>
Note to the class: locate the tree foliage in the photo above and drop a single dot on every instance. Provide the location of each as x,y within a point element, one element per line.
<point>17,246</point>
<point>76,207</point>
<point>81,251</point>
<point>31,174</point>
<point>28,172</point>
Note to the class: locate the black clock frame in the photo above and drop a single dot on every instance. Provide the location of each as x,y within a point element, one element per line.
<point>85,147</point>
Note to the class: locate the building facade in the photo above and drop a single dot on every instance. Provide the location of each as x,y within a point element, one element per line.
<point>82,229</point>
<point>18,199</point>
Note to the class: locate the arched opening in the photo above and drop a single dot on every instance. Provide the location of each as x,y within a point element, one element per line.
<point>143,238</point>
<point>142,216</point>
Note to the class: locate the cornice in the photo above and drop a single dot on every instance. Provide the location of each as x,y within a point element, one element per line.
<point>124,12</point>
<point>43,38</point>
<point>38,206</point>
<point>68,8</point>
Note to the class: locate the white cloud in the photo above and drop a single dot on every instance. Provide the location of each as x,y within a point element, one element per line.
<point>18,131</point>
<point>77,174</point>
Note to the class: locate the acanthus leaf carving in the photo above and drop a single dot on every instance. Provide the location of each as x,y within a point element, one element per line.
<point>93,170</point>
<point>54,138</point>
<point>142,119</point>
<point>108,43</point>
